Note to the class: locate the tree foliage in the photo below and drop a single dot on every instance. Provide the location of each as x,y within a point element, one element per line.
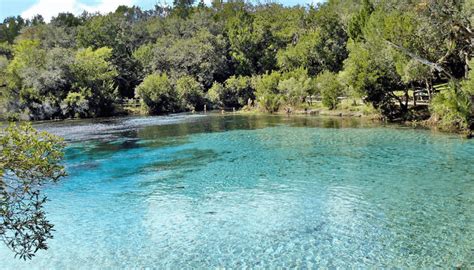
<point>190,92</point>
<point>29,159</point>
<point>158,94</point>
<point>376,49</point>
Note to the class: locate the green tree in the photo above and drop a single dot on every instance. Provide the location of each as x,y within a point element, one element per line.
<point>330,89</point>
<point>241,91</point>
<point>252,45</point>
<point>268,95</point>
<point>75,105</point>
<point>182,8</point>
<point>157,94</point>
<point>190,93</point>
<point>66,20</point>
<point>296,86</point>
<point>452,108</point>
<point>115,31</point>
<point>29,159</point>
<point>319,49</point>
<point>359,20</point>
<point>27,54</point>
<point>201,56</point>
<point>10,28</point>
<point>94,75</point>
<point>217,94</point>
<point>371,73</point>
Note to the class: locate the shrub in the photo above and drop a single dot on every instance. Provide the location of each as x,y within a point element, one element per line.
<point>296,86</point>
<point>452,108</point>
<point>74,105</point>
<point>216,94</point>
<point>235,92</point>
<point>157,94</point>
<point>268,95</point>
<point>330,89</point>
<point>190,93</point>
<point>241,87</point>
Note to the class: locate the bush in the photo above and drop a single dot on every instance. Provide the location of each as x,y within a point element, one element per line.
<point>93,76</point>
<point>296,86</point>
<point>75,105</point>
<point>330,89</point>
<point>157,94</point>
<point>190,93</point>
<point>235,92</point>
<point>240,87</point>
<point>268,95</point>
<point>216,93</point>
<point>452,108</point>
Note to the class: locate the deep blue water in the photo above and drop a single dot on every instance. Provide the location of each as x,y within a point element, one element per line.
<point>258,192</point>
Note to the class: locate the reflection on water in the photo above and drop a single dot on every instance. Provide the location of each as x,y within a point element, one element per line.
<point>196,191</point>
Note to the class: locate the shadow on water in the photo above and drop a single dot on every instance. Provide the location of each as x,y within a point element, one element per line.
<point>100,138</point>
<point>185,159</point>
<point>179,164</point>
<point>219,123</point>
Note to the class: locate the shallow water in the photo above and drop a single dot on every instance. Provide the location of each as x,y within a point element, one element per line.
<point>258,191</point>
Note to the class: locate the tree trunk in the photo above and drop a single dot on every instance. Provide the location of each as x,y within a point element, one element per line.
<point>429,87</point>
<point>414,95</point>
<point>466,65</point>
<point>407,97</point>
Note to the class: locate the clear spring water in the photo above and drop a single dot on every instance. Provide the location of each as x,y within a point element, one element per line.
<point>258,192</point>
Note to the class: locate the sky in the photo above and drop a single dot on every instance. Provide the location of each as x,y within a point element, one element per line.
<point>50,8</point>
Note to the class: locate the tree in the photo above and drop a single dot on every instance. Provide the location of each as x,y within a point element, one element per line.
<point>49,35</point>
<point>66,20</point>
<point>29,159</point>
<point>251,45</point>
<point>453,107</point>
<point>37,79</point>
<point>115,31</point>
<point>319,49</point>
<point>296,86</point>
<point>359,20</point>
<point>183,8</point>
<point>75,105</point>
<point>27,54</point>
<point>268,95</point>
<point>157,94</point>
<point>201,56</point>
<point>217,94</point>
<point>371,73</point>
<point>93,76</point>
<point>301,54</point>
<point>10,28</point>
<point>329,49</point>
<point>240,87</point>
<point>190,93</point>
<point>330,89</point>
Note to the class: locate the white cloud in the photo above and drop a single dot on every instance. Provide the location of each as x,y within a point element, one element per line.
<point>51,8</point>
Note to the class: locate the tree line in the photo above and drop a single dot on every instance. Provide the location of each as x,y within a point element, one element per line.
<point>238,54</point>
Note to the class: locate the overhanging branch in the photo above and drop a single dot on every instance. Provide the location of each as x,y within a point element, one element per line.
<point>424,61</point>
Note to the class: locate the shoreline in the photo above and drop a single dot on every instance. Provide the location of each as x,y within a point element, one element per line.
<point>339,113</point>
<point>415,124</point>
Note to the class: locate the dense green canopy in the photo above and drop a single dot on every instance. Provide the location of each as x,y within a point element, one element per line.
<point>233,54</point>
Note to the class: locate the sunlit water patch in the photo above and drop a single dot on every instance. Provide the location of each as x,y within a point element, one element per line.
<point>258,191</point>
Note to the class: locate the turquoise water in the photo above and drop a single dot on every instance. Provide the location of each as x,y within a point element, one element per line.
<point>258,192</point>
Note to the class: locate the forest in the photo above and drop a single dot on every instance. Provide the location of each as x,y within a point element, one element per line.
<point>243,55</point>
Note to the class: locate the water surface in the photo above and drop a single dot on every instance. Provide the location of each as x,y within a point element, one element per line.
<point>194,191</point>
